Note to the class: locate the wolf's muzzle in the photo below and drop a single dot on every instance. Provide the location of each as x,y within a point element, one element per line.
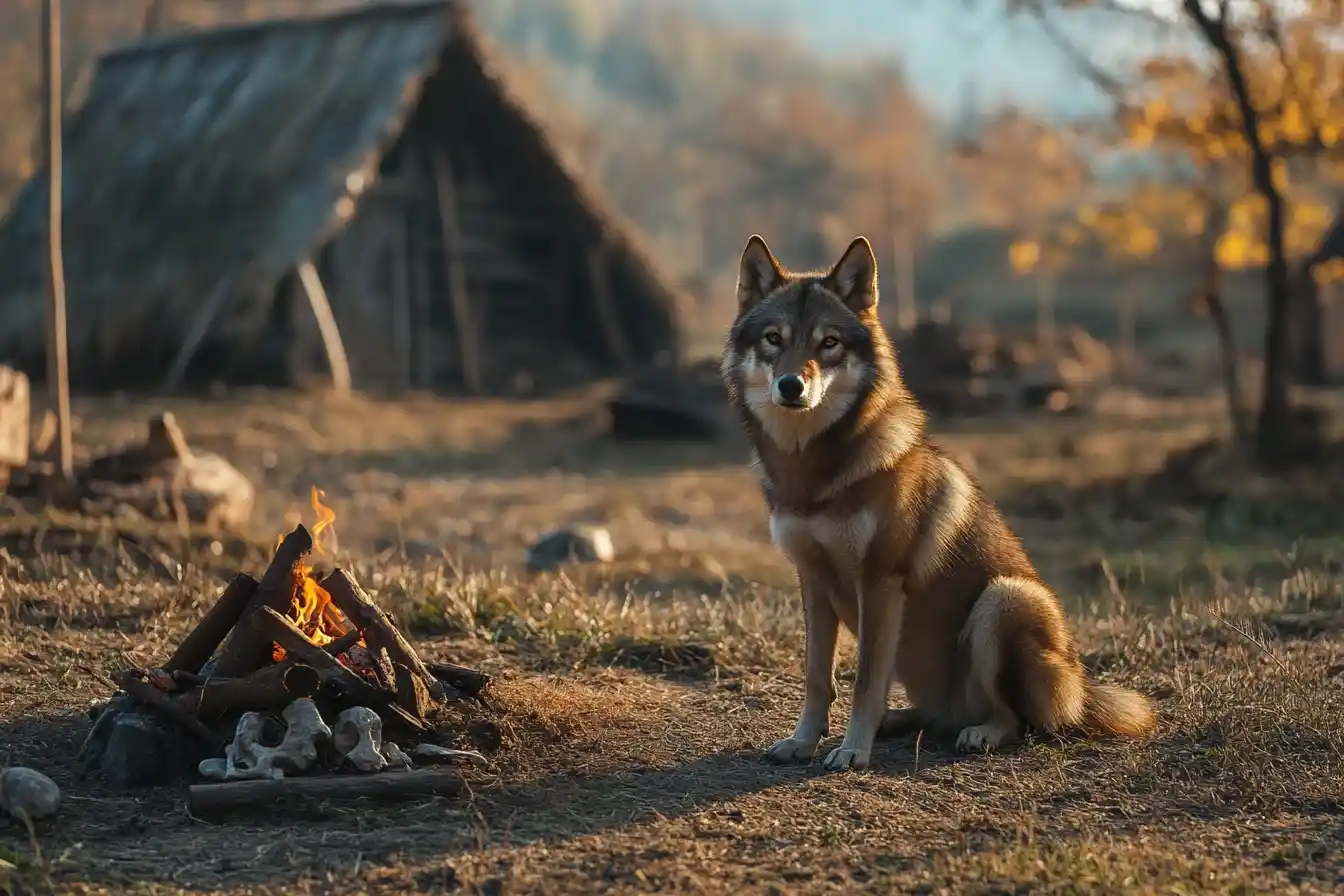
<point>789,390</point>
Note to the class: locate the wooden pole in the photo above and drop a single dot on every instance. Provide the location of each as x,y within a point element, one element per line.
<point>332,343</point>
<point>463,318</point>
<point>58,372</point>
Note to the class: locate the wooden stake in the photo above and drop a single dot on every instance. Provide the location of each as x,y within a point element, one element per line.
<point>337,362</point>
<point>213,799</point>
<point>463,318</point>
<point>58,371</point>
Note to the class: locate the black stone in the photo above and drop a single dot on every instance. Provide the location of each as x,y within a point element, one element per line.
<point>131,746</point>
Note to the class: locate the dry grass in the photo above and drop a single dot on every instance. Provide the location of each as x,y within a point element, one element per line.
<point>631,702</point>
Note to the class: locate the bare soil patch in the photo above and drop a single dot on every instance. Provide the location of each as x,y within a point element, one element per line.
<point>631,702</point>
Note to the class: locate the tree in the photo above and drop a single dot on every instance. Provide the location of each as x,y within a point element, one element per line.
<point>1270,108</point>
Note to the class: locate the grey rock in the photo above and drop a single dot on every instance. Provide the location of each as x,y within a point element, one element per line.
<point>580,544</point>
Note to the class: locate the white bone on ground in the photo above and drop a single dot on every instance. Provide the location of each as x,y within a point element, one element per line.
<point>358,736</point>
<point>397,760</point>
<point>436,753</point>
<point>249,758</point>
<point>25,793</point>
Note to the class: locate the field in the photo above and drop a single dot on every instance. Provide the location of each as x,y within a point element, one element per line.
<point>632,700</point>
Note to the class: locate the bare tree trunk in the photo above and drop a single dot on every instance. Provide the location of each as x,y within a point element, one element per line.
<point>1275,429</point>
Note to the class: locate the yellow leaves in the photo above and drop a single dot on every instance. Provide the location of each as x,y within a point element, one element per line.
<point>1329,271</point>
<point>1234,250</point>
<point>1024,255</point>
<point>1140,241</point>
<point>1293,123</point>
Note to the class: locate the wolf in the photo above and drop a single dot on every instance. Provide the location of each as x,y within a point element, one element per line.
<point>890,536</point>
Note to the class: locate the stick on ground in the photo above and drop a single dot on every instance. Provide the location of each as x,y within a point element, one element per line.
<point>204,800</point>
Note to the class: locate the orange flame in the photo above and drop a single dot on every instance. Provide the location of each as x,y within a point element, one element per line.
<point>312,610</point>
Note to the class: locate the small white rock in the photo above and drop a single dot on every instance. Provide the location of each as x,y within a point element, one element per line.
<point>25,793</point>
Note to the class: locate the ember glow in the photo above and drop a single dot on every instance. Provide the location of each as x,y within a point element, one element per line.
<point>312,609</point>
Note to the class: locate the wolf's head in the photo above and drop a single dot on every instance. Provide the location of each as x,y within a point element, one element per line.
<point>805,348</point>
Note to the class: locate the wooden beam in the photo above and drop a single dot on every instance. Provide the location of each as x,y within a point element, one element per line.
<point>337,361</point>
<point>58,368</point>
<point>200,325</point>
<point>605,306</point>
<point>463,317</point>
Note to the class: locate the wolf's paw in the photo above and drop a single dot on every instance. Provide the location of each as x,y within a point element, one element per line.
<point>843,757</point>
<point>792,749</point>
<point>983,738</point>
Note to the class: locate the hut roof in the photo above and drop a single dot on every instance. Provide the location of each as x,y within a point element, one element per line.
<point>221,158</point>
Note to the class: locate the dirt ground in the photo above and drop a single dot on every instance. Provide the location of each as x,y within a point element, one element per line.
<point>632,701</point>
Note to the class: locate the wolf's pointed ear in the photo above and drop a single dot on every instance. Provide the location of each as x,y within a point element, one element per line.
<point>854,277</point>
<point>758,273</point>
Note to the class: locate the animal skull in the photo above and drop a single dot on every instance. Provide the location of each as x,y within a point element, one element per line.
<point>246,757</point>
<point>358,736</point>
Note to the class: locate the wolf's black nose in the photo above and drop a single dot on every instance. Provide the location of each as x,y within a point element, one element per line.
<point>790,387</point>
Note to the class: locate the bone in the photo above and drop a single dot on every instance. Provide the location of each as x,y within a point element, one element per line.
<point>358,737</point>
<point>247,758</point>
<point>435,753</point>
<point>397,760</point>
<point>28,794</point>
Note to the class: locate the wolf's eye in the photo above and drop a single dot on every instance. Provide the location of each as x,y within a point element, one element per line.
<point>774,338</point>
<point>829,343</point>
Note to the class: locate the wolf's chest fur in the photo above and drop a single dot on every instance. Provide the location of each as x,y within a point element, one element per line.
<point>843,540</point>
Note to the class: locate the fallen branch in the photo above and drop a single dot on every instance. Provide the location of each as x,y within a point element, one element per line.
<point>214,799</point>
<point>136,683</point>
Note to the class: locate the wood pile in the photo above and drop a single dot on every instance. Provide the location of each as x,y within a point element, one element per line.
<point>306,673</point>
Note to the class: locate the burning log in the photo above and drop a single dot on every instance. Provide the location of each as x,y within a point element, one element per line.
<point>271,688</point>
<point>469,682</point>
<point>136,683</point>
<point>247,648</point>
<point>206,800</point>
<point>412,691</point>
<point>350,686</point>
<point>344,642</point>
<point>197,647</point>
<point>379,629</point>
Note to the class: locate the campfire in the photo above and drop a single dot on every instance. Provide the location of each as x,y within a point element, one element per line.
<point>308,674</point>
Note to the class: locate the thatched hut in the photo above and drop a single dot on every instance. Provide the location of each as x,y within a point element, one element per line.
<point>230,194</point>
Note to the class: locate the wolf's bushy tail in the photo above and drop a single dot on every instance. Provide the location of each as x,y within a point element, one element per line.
<point>1116,711</point>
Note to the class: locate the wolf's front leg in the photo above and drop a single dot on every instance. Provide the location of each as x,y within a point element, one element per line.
<point>880,607</point>
<point>819,690</point>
